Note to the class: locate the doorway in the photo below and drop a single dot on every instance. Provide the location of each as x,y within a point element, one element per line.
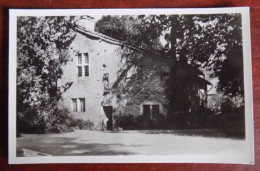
<point>109,113</point>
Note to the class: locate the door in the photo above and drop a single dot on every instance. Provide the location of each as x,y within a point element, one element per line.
<point>109,113</point>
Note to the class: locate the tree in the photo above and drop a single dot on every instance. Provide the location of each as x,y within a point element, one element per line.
<point>217,50</point>
<point>231,75</point>
<point>138,31</point>
<point>42,49</point>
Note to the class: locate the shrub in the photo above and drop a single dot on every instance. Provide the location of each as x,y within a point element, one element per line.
<point>58,120</point>
<point>124,121</point>
<point>130,122</point>
<point>30,122</point>
<point>81,124</point>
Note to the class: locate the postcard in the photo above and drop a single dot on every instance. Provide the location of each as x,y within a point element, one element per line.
<point>130,86</point>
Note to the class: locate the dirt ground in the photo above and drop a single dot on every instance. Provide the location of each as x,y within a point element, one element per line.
<point>88,143</point>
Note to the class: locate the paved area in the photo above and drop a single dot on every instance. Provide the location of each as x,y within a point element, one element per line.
<point>87,143</point>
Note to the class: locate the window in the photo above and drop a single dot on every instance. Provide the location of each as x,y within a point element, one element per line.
<point>86,70</point>
<point>155,111</point>
<point>146,111</point>
<point>83,64</point>
<point>151,111</point>
<point>74,105</point>
<point>85,57</point>
<point>80,59</point>
<point>79,71</point>
<point>78,105</point>
<point>82,104</point>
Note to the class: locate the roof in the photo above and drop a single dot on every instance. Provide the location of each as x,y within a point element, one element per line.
<point>95,35</point>
<point>105,38</point>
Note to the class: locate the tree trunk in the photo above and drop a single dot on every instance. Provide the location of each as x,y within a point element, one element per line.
<point>172,86</point>
<point>174,21</point>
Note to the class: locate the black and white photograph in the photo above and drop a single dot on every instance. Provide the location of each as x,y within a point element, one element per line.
<point>130,85</point>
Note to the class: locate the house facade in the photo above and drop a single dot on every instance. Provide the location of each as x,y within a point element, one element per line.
<point>110,79</point>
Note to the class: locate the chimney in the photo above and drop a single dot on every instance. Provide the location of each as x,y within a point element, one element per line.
<point>87,22</point>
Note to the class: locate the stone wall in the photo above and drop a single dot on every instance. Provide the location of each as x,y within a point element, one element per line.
<point>134,79</point>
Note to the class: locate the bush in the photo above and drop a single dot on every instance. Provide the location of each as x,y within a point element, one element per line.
<point>124,121</point>
<point>57,121</point>
<point>81,124</point>
<point>129,122</point>
<point>30,122</point>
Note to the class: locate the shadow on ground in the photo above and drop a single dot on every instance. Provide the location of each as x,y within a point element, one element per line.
<point>58,146</point>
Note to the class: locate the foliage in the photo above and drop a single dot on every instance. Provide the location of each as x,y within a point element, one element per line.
<point>42,44</point>
<point>42,49</point>
<point>199,38</point>
<point>130,30</point>
<point>210,43</point>
<point>60,121</point>
<point>125,122</point>
<point>81,124</point>
<point>205,39</point>
<point>213,43</point>
<point>131,122</point>
<point>231,75</point>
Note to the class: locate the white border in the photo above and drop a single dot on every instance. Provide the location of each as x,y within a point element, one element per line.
<point>248,155</point>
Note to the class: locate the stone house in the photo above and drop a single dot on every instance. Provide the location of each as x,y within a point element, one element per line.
<point>110,79</point>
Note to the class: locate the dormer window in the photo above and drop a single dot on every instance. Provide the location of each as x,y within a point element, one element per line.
<point>83,65</point>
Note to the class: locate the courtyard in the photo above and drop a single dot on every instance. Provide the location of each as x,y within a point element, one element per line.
<point>145,142</point>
